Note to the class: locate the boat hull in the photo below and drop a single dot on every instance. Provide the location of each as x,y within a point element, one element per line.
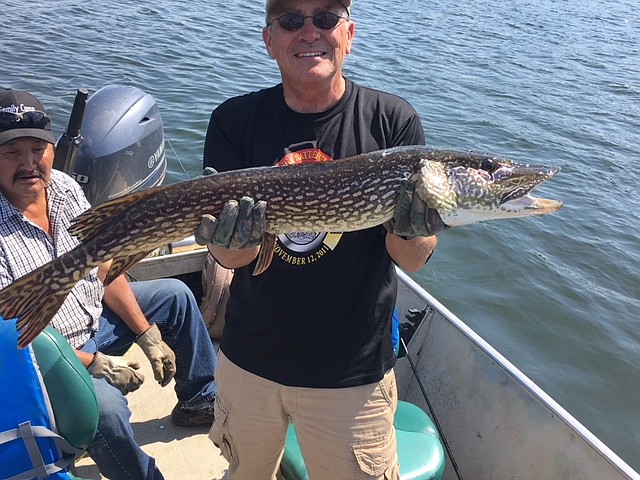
<point>498,423</point>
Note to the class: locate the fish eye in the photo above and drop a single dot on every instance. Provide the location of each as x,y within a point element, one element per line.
<point>489,165</point>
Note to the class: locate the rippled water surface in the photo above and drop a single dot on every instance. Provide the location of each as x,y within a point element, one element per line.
<point>545,81</point>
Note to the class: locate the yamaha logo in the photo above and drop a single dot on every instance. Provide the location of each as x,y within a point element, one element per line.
<point>157,156</point>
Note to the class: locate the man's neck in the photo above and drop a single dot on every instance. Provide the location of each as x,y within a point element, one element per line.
<point>314,99</point>
<point>37,212</point>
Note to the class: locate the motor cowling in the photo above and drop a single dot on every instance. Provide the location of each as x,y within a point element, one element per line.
<point>122,148</point>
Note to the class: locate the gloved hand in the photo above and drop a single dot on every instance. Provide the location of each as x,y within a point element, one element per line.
<point>120,372</point>
<point>162,358</point>
<point>412,217</point>
<point>240,225</point>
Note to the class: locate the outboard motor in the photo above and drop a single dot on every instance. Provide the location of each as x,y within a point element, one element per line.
<point>120,146</point>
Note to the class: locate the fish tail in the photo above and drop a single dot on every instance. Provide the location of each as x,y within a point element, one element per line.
<point>36,297</point>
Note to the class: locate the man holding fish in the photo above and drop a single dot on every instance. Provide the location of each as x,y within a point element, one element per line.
<point>309,340</point>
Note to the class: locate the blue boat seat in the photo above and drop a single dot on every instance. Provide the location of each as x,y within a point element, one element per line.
<point>65,386</point>
<point>420,450</point>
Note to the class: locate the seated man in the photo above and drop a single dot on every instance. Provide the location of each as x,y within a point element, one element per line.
<point>37,205</point>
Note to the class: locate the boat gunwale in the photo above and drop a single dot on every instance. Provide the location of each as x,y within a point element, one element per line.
<point>523,380</point>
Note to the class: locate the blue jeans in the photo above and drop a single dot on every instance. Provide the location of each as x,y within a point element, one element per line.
<point>169,304</point>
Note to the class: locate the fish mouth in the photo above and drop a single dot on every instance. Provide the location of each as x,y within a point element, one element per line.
<point>533,205</point>
<point>520,199</point>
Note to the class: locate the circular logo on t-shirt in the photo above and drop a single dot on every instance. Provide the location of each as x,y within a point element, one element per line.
<point>304,248</point>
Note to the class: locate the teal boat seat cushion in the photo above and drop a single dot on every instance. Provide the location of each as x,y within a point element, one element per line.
<point>69,386</point>
<point>420,451</point>
<point>293,466</point>
<point>420,455</point>
<point>411,418</point>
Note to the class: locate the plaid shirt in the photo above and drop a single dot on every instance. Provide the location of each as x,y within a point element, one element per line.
<point>24,247</point>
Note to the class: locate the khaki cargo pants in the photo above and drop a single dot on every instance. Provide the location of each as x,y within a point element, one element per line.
<point>344,433</point>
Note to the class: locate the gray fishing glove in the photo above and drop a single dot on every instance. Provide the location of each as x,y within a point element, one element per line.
<point>412,217</point>
<point>120,372</point>
<point>239,225</point>
<point>161,357</point>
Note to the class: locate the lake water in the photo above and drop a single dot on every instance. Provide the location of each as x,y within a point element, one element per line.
<point>545,81</point>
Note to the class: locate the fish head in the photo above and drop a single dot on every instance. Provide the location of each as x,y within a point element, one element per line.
<point>467,187</point>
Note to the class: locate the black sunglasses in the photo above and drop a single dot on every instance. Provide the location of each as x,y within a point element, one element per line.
<point>292,21</point>
<point>31,119</point>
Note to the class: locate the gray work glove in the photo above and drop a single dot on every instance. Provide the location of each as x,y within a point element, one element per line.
<point>161,357</point>
<point>412,217</point>
<point>120,372</point>
<point>239,225</point>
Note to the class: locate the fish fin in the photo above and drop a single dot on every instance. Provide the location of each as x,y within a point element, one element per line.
<point>36,297</point>
<point>122,264</point>
<point>267,247</point>
<point>90,223</point>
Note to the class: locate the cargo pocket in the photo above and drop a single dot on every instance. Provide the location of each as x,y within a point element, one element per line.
<point>376,457</point>
<point>388,389</point>
<point>219,433</point>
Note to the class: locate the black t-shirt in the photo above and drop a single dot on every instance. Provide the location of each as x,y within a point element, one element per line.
<point>320,316</point>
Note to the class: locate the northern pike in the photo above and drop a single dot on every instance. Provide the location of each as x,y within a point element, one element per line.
<point>344,195</point>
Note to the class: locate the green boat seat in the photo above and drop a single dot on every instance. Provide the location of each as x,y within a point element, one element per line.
<point>69,386</point>
<point>420,451</point>
<point>292,466</point>
<point>411,418</point>
<point>70,389</point>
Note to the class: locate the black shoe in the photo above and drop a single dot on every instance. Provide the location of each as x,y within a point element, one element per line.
<point>182,417</point>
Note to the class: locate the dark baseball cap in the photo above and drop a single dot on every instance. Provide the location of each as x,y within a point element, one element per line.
<point>271,5</point>
<point>22,115</point>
